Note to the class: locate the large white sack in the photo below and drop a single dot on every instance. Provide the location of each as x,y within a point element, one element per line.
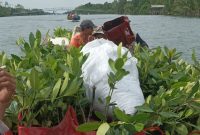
<point>95,73</point>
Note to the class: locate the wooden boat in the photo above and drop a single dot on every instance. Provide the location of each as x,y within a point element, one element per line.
<point>73,17</point>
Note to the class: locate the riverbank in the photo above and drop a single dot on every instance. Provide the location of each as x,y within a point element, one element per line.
<point>144,7</point>
<point>20,11</point>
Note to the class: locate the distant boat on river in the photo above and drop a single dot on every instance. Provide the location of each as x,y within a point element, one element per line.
<point>73,17</point>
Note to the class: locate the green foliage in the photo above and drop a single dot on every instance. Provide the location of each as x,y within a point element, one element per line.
<point>172,7</point>
<point>172,92</point>
<point>61,32</point>
<point>106,8</point>
<point>3,59</point>
<point>90,126</point>
<point>175,86</point>
<point>162,67</point>
<point>19,10</point>
<point>103,128</point>
<point>4,11</point>
<point>49,79</point>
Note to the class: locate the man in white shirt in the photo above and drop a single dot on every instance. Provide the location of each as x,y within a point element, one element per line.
<point>7,89</point>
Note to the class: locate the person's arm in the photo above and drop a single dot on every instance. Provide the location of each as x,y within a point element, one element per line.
<point>2,109</point>
<point>3,127</point>
<point>75,41</point>
<point>7,89</point>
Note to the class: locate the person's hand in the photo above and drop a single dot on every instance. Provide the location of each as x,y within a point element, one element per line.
<point>7,87</point>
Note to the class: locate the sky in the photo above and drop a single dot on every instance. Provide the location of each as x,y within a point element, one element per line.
<point>52,3</point>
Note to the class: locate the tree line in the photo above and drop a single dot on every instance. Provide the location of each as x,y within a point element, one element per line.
<point>6,10</point>
<point>135,7</point>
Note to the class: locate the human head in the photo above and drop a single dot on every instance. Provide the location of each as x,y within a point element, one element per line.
<point>87,26</point>
<point>98,33</point>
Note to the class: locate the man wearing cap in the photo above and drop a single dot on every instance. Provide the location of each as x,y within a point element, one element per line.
<point>81,38</point>
<point>97,34</point>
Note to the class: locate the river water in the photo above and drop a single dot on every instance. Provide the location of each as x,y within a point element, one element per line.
<point>174,32</point>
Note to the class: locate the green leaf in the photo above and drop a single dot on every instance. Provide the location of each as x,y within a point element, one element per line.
<point>56,89</point>
<point>124,57</point>
<point>195,105</point>
<point>178,85</point>
<point>34,79</point>
<point>188,113</point>
<point>65,68</point>
<point>111,79</point>
<point>38,37</point>
<point>31,39</point>
<point>16,58</point>
<point>194,56</point>
<point>38,68</point>
<point>167,133</point>
<point>178,76</point>
<point>44,93</point>
<point>121,115</point>
<point>101,116</point>
<point>36,43</point>
<point>140,118</point>
<point>120,74</point>
<point>76,66</point>
<point>198,122</point>
<point>181,129</point>
<point>4,59</point>
<point>130,127</point>
<point>148,99</point>
<point>73,88</point>
<point>139,127</point>
<point>90,126</point>
<point>195,88</point>
<point>27,47</point>
<point>108,98</point>
<point>169,114</point>
<point>119,63</point>
<point>20,41</point>
<point>103,128</point>
<point>144,108</point>
<point>119,50</point>
<point>65,83</point>
<point>112,65</point>
<point>192,125</point>
<point>154,73</point>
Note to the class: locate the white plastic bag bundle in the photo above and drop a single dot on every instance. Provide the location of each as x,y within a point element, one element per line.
<point>127,94</point>
<point>60,41</point>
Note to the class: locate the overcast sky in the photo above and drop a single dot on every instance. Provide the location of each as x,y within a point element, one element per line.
<point>52,3</point>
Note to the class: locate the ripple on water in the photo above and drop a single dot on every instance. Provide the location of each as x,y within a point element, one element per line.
<point>174,32</point>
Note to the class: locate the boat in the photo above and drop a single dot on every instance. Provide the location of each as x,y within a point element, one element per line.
<point>73,16</point>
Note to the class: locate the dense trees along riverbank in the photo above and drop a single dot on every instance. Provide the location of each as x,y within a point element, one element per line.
<point>133,7</point>
<point>171,7</point>
<point>5,10</point>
